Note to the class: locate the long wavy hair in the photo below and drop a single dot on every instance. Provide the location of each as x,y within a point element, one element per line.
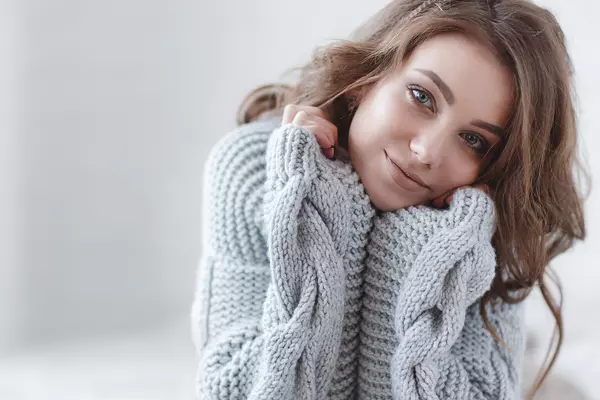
<point>537,178</point>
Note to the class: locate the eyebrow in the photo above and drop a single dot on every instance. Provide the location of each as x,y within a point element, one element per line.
<point>449,97</point>
<point>493,129</point>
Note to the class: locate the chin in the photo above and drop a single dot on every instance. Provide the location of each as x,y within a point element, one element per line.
<point>388,203</point>
<point>384,195</point>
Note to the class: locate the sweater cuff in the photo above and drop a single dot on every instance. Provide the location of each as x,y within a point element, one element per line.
<point>292,151</point>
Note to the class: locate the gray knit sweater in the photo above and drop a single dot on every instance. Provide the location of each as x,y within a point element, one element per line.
<point>304,291</point>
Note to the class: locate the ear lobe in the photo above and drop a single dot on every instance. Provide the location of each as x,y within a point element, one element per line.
<point>353,98</point>
<point>356,95</point>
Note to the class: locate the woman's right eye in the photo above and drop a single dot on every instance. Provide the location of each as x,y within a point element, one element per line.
<point>421,97</point>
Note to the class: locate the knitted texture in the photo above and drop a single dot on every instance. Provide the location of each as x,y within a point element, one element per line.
<point>422,336</point>
<point>303,292</point>
<point>279,292</point>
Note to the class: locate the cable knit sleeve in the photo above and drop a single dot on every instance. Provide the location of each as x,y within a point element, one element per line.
<point>270,298</point>
<point>443,263</point>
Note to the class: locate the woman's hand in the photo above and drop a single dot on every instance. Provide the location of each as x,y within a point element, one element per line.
<point>446,198</point>
<point>313,119</point>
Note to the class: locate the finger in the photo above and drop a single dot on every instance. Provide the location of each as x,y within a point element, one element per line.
<point>308,122</point>
<point>322,129</point>
<point>329,130</point>
<point>449,198</point>
<point>439,201</point>
<point>323,140</point>
<point>289,112</point>
<point>444,199</point>
<point>333,133</point>
<point>329,152</point>
<point>326,134</point>
<point>316,111</point>
<point>301,118</point>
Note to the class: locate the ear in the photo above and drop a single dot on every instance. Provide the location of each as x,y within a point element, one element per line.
<point>360,92</point>
<point>353,97</point>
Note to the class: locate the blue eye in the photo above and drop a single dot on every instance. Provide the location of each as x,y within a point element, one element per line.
<point>475,142</point>
<point>422,97</point>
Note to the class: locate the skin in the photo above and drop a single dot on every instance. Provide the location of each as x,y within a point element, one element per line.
<point>408,129</point>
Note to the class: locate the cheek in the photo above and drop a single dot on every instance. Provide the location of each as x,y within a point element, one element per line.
<point>382,115</point>
<point>459,171</point>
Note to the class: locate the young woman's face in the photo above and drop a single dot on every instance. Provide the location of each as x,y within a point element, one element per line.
<point>436,120</point>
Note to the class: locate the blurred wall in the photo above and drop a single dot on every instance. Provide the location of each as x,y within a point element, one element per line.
<point>9,232</point>
<point>106,154</point>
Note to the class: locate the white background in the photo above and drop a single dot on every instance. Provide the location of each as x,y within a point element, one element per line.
<point>108,110</point>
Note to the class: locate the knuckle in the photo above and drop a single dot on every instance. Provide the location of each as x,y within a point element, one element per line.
<point>289,110</point>
<point>318,111</point>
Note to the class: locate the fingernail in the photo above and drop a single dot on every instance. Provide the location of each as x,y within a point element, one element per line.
<point>341,153</point>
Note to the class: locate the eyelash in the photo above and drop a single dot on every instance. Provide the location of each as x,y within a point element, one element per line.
<point>485,147</point>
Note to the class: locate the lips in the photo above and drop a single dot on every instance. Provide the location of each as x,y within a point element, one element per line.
<point>401,178</point>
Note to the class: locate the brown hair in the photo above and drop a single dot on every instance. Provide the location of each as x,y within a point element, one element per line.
<point>535,177</point>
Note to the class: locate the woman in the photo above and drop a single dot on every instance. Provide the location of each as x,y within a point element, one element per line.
<point>393,262</point>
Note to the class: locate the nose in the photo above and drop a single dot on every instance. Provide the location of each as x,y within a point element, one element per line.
<point>428,147</point>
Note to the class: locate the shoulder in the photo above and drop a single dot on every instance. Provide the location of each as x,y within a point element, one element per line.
<point>233,189</point>
<point>247,143</point>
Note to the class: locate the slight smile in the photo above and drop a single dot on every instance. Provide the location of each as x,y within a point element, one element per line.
<point>401,178</point>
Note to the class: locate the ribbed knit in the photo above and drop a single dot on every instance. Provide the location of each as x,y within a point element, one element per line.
<point>282,308</point>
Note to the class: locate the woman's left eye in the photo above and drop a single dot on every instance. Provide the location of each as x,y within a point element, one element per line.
<point>475,142</point>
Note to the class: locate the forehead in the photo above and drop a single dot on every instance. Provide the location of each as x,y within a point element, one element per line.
<point>480,84</point>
